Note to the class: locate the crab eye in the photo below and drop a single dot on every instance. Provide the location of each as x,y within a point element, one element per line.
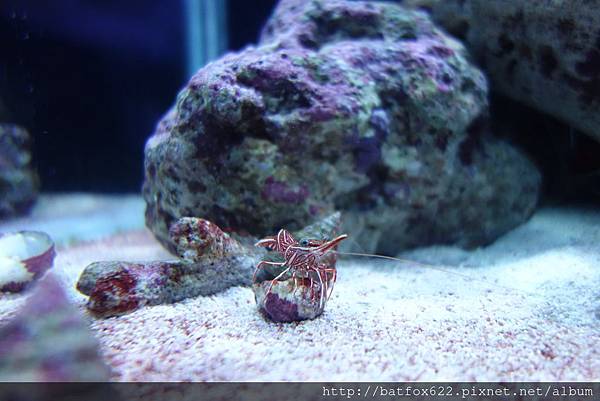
<point>304,242</point>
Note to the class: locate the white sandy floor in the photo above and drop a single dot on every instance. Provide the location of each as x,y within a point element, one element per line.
<point>525,308</point>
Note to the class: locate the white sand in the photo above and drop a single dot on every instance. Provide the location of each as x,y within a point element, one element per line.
<point>533,312</point>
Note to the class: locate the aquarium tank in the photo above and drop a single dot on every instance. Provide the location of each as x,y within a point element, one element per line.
<point>333,191</point>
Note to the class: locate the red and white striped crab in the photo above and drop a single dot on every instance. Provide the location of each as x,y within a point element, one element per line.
<point>303,259</point>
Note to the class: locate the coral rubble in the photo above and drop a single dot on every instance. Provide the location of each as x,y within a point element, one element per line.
<point>211,261</point>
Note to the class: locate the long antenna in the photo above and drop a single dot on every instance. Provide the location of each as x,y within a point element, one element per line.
<point>432,267</point>
<point>424,265</point>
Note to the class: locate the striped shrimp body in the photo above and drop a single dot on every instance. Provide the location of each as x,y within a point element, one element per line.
<point>303,260</point>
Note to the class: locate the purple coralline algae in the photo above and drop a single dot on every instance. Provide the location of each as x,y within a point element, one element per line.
<point>356,106</point>
<point>24,257</point>
<point>545,54</point>
<point>49,340</point>
<point>18,181</point>
<point>210,261</point>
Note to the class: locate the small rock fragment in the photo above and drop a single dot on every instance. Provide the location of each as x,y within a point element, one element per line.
<point>18,181</point>
<point>119,287</point>
<point>287,302</point>
<point>24,256</point>
<point>211,262</point>
<point>49,341</point>
<point>198,239</point>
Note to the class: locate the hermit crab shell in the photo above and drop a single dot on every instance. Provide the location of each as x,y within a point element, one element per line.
<point>290,300</point>
<point>24,257</point>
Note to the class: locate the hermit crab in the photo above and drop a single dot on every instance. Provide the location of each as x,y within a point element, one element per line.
<point>297,287</point>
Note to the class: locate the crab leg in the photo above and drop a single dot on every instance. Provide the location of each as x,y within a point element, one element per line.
<point>321,286</point>
<point>333,271</point>
<point>277,278</point>
<point>265,263</point>
<point>295,282</point>
<point>295,274</point>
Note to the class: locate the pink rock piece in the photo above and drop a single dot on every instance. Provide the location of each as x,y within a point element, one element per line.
<point>115,288</point>
<point>287,301</point>
<point>24,256</point>
<point>211,261</point>
<point>49,340</point>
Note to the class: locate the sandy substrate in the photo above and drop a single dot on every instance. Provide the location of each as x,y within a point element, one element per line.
<point>525,308</point>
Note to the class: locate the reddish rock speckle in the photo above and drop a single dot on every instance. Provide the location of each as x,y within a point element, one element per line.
<point>115,293</point>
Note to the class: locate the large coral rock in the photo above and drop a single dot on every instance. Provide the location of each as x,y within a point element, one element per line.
<point>18,180</point>
<point>545,54</point>
<point>357,106</point>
